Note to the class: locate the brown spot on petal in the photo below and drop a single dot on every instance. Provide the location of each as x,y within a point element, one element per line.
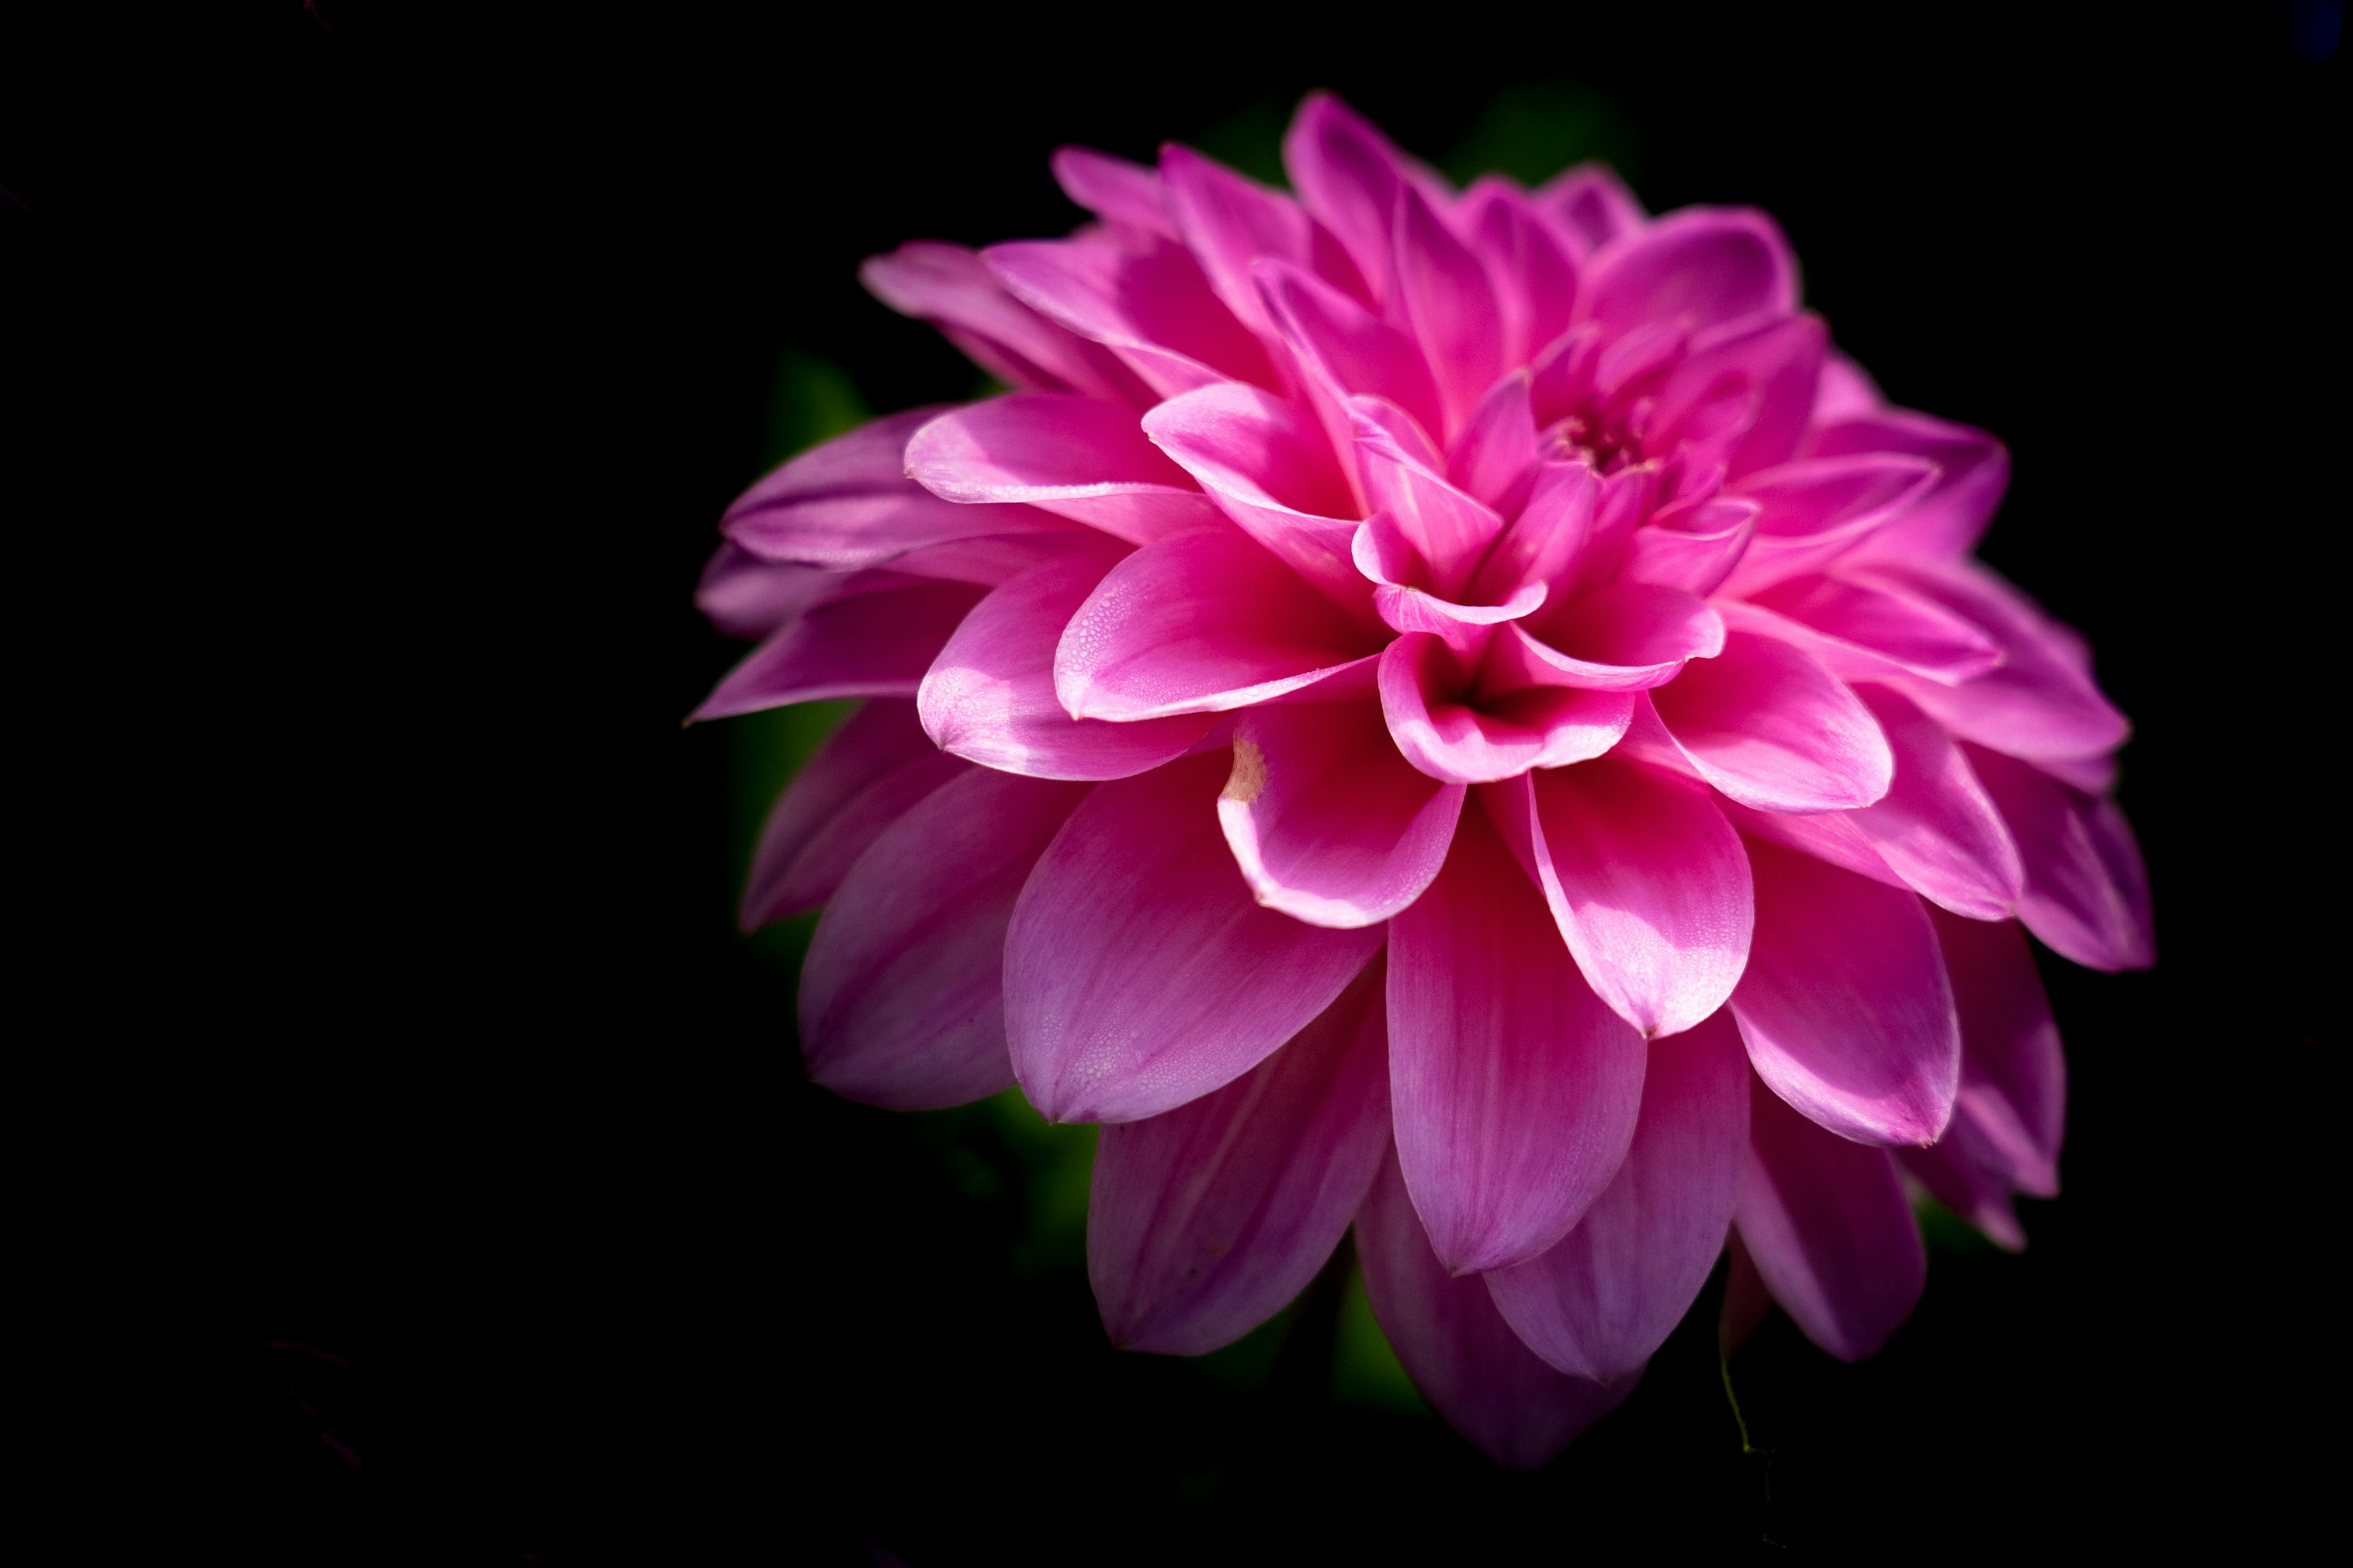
<point>1250,772</point>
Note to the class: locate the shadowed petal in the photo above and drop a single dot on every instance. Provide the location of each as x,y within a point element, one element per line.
<point>1426,698</point>
<point>1826,1224</point>
<point>1702,265</point>
<point>870,645</point>
<point>2013,1076</point>
<point>1935,827</point>
<point>1205,1220</point>
<point>1593,205</point>
<point>1461,1353</point>
<point>1844,1004</point>
<point>1604,1298</point>
<point>1533,263</point>
<point>1151,308</point>
<point>989,695</point>
<point>1865,632</point>
<point>901,1002</point>
<point>1813,511</point>
<point>866,776</point>
<point>951,288</point>
<point>1514,1088</point>
<point>2087,891</point>
<point>1946,522</point>
<point>1328,823</point>
<point>745,596</point>
<point>1139,974</point>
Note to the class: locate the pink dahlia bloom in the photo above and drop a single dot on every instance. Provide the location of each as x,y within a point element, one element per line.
<point>1454,712</point>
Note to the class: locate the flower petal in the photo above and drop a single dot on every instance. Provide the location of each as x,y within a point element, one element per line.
<point>1935,827</point>
<point>1604,1298</point>
<point>1593,205</point>
<point>1826,1224</point>
<point>1966,1185</point>
<point>990,696</point>
<point>848,504</point>
<point>2013,1075</point>
<point>1227,219</point>
<point>1649,885</point>
<point>1204,1221</point>
<point>1139,974</point>
<point>1270,471</point>
<point>866,776</point>
<point>1442,296</point>
<point>1449,530</point>
<point>1151,308</point>
<point>901,1002</point>
<point>1692,545</point>
<point>1629,636</point>
<point>1844,1003</point>
<point>1774,730</point>
<point>1544,542</point>
<point>1343,349</point>
<point>1113,189</point>
<point>1425,695</point>
<point>867,645</point>
<point>1081,457</point>
<point>745,596</point>
<point>1465,1358</point>
<point>1813,511</point>
<point>1533,264</point>
<point>2087,891</point>
<point>1349,175</point>
<point>1329,825</point>
<point>1702,265</point>
<point>1777,364</point>
<point>1867,631</point>
<point>1201,623</point>
<point>951,288</point>
<point>1492,458</point>
<point>1514,1088</point>
<point>1944,523</point>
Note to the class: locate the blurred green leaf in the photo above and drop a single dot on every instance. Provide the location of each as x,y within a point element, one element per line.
<point>1250,138</point>
<point>1365,1372</point>
<point>813,400</point>
<point>1531,131</point>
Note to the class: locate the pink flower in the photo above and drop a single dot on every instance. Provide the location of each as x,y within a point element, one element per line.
<point>1454,712</point>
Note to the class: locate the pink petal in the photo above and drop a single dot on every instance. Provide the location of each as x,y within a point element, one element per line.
<point>1328,823</point>
<point>1648,883</point>
<point>1604,1298</point>
<point>1844,1004</point>
<point>1514,1088</point>
<point>1201,623</point>
<point>1349,175</point>
<point>1343,349</point>
<point>1113,189</point>
<point>1465,1358</point>
<point>2013,1075</point>
<point>1629,636</point>
<point>900,1000</point>
<point>1426,698</point>
<point>990,696</point>
<point>1544,542</point>
<point>745,596</point>
<point>1937,827</point>
<point>1846,392</point>
<point>1955,1178</point>
<point>2087,891</point>
<point>2041,702</point>
<point>1138,973</point>
<point>1227,219</point>
<point>949,286</point>
<point>1593,205</point>
<point>1449,530</point>
<point>871,645</point>
<point>1151,308</point>
<point>848,504</point>
<point>1443,297</point>
<point>1498,446</point>
<point>1081,457</point>
<point>1817,509</point>
<point>1533,264</point>
<point>1402,599</point>
<point>1692,545</point>
<point>1773,730</point>
<point>1865,631</point>
<point>1205,1220</point>
<point>1702,267</point>
<point>1947,522</point>
<point>870,774</point>
<point>1270,471</point>
<point>1777,364</point>
<point>1827,1226</point>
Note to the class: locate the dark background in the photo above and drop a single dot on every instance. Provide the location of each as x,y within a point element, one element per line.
<point>436,341</point>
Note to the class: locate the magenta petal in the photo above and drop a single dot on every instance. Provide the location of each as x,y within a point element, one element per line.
<point>1845,1006</point>
<point>1082,458</point>
<point>1205,1220</point>
<point>1150,308</point>
<point>1349,175</point>
<point>870,645</point>
<point>2013,1076</point>
<point>901,1001</point>
<point>1201,623</point>
<point>1544,542</point>
<point>2087,891</point>
<point>1513,1087</point>
<point>1774,730</point>
<point>1946,522</point>
<point>1827,1226</point>
<point>1227,219</point>
<point>1139,974</point>
<point>989,695</point>
<point>1604,1298</point>
<point>1592,205</point>
<point>950,286</point>
<point>1424,699</point>
<point>1442,296</point>
<point>1270,471</point>
<point>1328,823</point>
<point>1113,189</point>
<point>1343,348</point>
<point>1649,884</point>
<point>869,774</point>
<point>1957,1179</point>
<point>745,596</point>
<point>1865,631</point>
<point>1449,530</point>
<point>848,504</point>
<point>1465,1358</point>
<point>1773,370</point>
<point>1533,263</point>
<point>1629,636</point>
<point>1691,546</point>
<point>1492,457</point>
<point>1937,827</point>
<point>1813,511</point>
<point>1702,265</point>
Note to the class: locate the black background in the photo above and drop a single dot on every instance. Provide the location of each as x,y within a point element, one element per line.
<point>434,345</point>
